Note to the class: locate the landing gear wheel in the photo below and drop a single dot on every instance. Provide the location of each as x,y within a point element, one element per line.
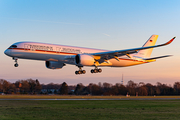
<point>92,71</point>
<point>95,70</point>
<point>79,72</point>
<point>83,72</point>
<point>99,70</point>
<point>16,65</point>
<point>76,72</point>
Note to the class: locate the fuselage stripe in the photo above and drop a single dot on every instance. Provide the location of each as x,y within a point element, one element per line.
<point>42,51</point>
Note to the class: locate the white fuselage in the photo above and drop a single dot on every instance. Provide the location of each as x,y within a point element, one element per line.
<point>64,54</point>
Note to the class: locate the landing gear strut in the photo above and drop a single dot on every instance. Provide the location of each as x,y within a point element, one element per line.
<point>16,64</point>
<point>96,70</point>
<point>80,71</point>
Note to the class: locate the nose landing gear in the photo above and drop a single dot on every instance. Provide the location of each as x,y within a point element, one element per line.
<point>16,64</point>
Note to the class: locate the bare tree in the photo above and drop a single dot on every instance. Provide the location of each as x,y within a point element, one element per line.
<point>131,86</point>
<point>96,90</point>
<point>79,89</point>
<point>64,89</point>
<point>177,87</point>
<point>38,87</point>
<point>5,85</point>
<point>1,86</point>
<point>142,91</point>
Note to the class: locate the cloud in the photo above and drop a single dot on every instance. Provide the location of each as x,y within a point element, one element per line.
<point>106,34</point>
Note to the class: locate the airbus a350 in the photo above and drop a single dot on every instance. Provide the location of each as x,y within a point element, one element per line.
<point>57,56</point>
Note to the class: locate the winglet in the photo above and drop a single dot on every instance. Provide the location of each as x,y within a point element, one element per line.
<point>170,41</point>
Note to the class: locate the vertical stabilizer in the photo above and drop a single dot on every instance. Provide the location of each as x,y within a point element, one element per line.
<point>147,52</point>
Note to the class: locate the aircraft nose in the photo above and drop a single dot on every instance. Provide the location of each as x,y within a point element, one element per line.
<point>7,52</point>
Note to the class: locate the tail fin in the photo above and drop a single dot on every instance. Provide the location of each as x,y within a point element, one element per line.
<point>147,52</point>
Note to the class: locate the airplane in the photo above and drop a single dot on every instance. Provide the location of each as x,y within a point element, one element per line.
<point>57,56</point>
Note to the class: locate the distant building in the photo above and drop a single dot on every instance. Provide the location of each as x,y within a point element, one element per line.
<point>49,91</point>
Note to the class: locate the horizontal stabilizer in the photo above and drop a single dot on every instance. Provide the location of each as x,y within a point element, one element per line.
<point>157,57</point>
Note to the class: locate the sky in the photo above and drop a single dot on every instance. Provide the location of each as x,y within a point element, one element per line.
<point>102,24</point>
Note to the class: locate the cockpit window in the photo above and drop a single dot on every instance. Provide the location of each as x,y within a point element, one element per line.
<point>13,46</point>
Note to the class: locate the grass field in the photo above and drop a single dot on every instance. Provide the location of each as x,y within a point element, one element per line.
<point>90,109</point>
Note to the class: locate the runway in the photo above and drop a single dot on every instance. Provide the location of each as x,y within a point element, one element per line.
<point>105,99</point>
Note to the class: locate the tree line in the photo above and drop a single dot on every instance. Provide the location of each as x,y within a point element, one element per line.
<point>31,86</point>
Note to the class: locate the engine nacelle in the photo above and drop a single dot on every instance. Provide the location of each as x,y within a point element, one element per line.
<point>54,65</point>
<point>84,60</point>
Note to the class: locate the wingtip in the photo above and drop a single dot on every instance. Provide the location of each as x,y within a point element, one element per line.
<point>170,40</point>
<point>173,38</point>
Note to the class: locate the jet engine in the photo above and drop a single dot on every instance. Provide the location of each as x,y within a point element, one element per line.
<point>54,65</point>
<point>84,60</point>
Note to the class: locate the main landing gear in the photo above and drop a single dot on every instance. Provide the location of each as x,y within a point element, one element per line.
<point>16,64</point>
<point>80,71</point>
<point>96,70</point>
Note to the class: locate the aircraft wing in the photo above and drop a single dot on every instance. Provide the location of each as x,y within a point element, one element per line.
<point>114,54</point>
